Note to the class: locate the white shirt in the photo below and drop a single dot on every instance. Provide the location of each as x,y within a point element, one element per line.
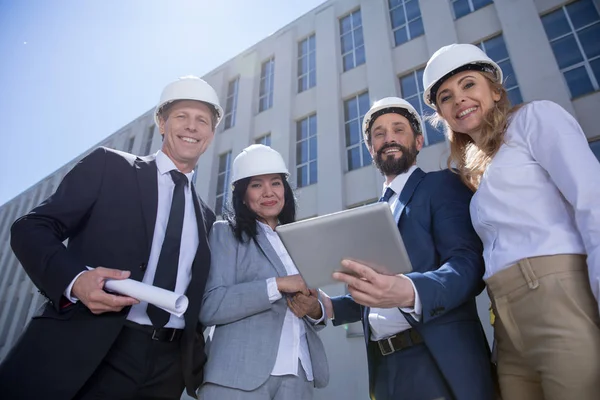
<point>386,322</point>
<point>189,241</point>
<point>292,343</point>
<point>540,195</point>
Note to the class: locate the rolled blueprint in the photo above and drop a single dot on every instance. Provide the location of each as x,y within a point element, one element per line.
<point>171,302</point>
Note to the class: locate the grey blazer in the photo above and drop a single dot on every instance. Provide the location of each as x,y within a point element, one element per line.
<point>248,327</point>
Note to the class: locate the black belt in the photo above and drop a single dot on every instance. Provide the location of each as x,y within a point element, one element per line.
<point>160,334</point>
<point>399,341</point>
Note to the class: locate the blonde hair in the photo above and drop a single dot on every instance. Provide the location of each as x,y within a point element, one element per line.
<point>468,159</point>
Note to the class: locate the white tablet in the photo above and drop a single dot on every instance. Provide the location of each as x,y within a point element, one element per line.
<point>367,234</point>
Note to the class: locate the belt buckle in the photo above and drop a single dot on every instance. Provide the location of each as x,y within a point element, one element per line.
<point>389,341</point>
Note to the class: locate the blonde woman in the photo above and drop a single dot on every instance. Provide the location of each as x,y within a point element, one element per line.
<point>536,208</point>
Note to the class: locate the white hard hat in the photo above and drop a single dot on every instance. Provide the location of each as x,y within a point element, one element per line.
<point>189,88</point>
<point>257,159</point>
<point>452,59</point>
<point>392,105</point>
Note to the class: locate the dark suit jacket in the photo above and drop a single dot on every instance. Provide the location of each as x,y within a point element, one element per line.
<point>106,207</point>
<point>445,253</point>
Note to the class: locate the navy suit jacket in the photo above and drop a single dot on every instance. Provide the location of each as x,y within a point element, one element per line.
<point>446,256</point>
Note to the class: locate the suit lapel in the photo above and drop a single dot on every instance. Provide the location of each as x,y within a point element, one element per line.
<point>269,252</point>
<point>148,185</point>
<point>407,192</point>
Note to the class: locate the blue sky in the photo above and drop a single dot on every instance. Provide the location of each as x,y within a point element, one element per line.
<point>75,71</point>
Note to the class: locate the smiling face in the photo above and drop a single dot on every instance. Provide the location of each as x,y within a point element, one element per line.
<point>394,146</point>
<point>464,100</point>
<point>187,131</point>
<point>265,196</point>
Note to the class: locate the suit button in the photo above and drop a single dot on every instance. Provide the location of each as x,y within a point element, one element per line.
<point>143,266</point>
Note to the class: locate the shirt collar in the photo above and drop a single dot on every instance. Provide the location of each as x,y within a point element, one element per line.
<point>400,181</point>
<point>166,165</point>
<point>266,227</point>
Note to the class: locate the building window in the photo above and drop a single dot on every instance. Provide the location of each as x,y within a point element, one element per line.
<point>573,31</point>
<point>306,151</point>
<point>351,35</point>
<point>495,48</point>
<point>411,86</point>
<point>267,75</point>
<point>130,144</point>
<point>231,102</point>
<point>307,64</point>
<point>405,17</point>
<point>147,145</point>
<point>223,182</point>
<point>265,139</point>
<point>354,111</point>
<point>464,7</point>
<point>595,146</point>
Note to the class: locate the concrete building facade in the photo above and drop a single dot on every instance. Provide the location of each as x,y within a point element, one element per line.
<point>304,90</point>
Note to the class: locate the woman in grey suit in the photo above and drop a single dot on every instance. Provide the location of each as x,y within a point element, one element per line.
<point>265,344</point>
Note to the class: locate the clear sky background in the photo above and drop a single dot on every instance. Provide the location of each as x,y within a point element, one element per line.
<point>72,72</point>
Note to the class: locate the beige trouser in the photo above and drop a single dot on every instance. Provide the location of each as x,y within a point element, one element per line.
<point>547,330</point>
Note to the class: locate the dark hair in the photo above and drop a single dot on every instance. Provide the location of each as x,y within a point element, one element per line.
<point>243,220</point>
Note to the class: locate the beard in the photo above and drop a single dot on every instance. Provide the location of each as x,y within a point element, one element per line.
<point>390,165</point>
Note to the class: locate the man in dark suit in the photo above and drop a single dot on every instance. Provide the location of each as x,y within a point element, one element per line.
<point>124,217</point>
<point>424,339</point>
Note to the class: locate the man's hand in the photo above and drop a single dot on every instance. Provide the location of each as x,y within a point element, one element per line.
<point>88,288</point>
<point>327,304</point>
<point>292,284</point>
<point>372,289</point>
<point>302,305</point>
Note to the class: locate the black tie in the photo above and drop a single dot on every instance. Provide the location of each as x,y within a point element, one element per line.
<point>166,269</point>
<point>387,195</point>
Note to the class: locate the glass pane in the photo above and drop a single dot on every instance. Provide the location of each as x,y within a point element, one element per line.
<point>412,9</point>
<point>263,87</point>
<point>220,184</point>
<point>397,17</point>
<point>408,85</point>
<point>312,79</point>
<point>345,25</point>
<point>509,74</point>
<point>312,148</point>
<point>231,88</point>
<point>262,104</point>
<point>477,4</point>
<point>313,173</point>
<point>366,155</point>
<point>590,40</point>
<point>582,13</point>
<point>596,68</point>
<point>301,130</point>
<point>461,8</point>
<point>360,55</point>
<point>350,109</point>
<point>348,61</point>
<point>566,52</point>
<point>302,152</point>
<point>312,125</point>
<point>433,135</point>
<point>420,79</point>
<point>312,43</point>
<point>352,133</point>
<point>267,141</point>
<point>301,176</point>
<point>394,3</point>
<point>353,158</point>
<point>312,62</point>
<point>222,163</point>
<point>363,104</point>
<point>302,84</point>
<point>229,104</point>
<point>228,121</point>
<point>219,206</point>
<point>556,24</point>
<point>578,81</point>
<point>356,19</point>
<point>358,37</point>
<point>415,101</point>
<point>347,44</point>
<point>416,28</point>
<point>400,36</point>
<point>303,48</point>
<point>495,48</point>
<point>514,95</point>
<point>302,65</point>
